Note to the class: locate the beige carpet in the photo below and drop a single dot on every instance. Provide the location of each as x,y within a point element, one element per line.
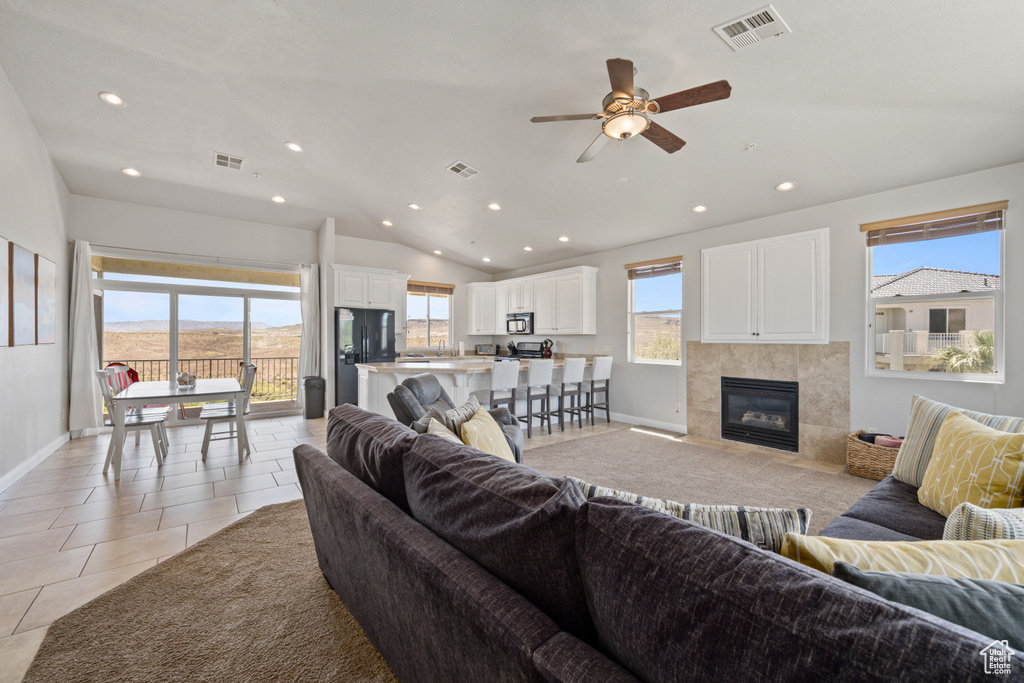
<point>664,468</point>
<point>247,604</point>
<point>250,604</point>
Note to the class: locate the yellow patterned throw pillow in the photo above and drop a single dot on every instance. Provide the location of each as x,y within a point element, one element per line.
<point>437,429</point>
<point>996,560</point>
<point>974,464</point>
<point>484,434</point>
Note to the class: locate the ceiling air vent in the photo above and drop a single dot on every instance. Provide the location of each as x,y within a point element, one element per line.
<point>462,169</point>
<point>753,28</point>
<point>227,161</point>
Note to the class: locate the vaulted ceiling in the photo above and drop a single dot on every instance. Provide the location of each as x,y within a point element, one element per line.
<point>384,96</point>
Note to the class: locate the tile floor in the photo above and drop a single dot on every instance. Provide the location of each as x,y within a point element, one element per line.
<point>69,533</point>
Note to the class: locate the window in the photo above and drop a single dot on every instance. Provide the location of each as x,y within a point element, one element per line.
<point>655,311</point>
<point>161,318</point>
<point>935,297</point>
<point>428,314</point>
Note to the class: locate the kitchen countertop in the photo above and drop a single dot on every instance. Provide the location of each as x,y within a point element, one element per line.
<point>446,365</point>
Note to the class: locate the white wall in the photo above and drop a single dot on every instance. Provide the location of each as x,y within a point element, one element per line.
<point>33,211</point>
<point>134,226</point>
<point>880,403</point>
<point>353,251</point>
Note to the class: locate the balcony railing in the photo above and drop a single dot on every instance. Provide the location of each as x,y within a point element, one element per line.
<point>923,343</point>
<point>277,379</point>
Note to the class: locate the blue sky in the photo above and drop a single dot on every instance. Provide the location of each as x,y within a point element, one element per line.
<point>125,306</point>
<point>416,307</point>
<point>664,293</point>
<point>973,253</point>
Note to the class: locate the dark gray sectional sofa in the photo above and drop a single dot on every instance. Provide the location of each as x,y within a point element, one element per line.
<point>888,512</point>
<point>463,567</point>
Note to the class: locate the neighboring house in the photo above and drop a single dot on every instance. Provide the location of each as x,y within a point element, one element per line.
<point>926,326</point>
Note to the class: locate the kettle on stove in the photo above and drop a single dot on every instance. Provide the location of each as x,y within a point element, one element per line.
<point>546,348</point>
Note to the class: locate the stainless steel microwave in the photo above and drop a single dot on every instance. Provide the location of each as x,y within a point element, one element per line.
<point>519,323</point>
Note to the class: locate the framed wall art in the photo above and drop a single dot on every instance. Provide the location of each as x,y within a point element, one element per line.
<point>46,300</point>
<point>23,296</point>
<point>5,292</point>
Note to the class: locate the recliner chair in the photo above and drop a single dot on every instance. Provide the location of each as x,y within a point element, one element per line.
<point>416,395</point>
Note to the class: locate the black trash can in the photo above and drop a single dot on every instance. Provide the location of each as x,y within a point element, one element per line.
<point>313,396</point>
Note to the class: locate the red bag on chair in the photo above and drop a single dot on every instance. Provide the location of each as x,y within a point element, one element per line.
<point>133,376</point>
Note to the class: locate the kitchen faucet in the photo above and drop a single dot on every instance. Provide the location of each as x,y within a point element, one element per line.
<point>440,347</point>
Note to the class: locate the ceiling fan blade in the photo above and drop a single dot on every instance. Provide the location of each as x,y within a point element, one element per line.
<point>670,142</point>
<point>620,73</point>
<point>594,148</point>
<point>564,117</point>
<point>719,90</point>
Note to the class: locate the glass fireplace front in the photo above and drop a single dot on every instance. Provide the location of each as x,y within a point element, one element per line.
<point>762,412</point>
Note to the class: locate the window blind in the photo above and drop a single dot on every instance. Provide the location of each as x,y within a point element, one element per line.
<point>415,287</point>
<point>655,268</point>
<point>970,221</point>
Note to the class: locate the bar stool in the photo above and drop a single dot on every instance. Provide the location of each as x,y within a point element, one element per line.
<point>504,381</point>
<point>570,388</point>
<point>538,386</point>
<point>599,382</point>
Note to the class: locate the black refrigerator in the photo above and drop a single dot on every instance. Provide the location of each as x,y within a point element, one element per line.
<point>362,335</point>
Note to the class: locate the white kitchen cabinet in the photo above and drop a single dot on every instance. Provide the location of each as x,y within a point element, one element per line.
<point>368,288</point>
<point>520,296</point>
<point>399,297</point>
<point>566,302</point>
<point>545,300</point>
<point>501,307</point>
<point>482,308</point>
<point>774,290</point>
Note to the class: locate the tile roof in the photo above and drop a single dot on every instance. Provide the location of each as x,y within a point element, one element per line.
<point>925,280</point>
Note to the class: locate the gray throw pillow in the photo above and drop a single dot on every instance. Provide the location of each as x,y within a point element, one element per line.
<point>454,417</point>
<point>992,608</point>
<point>764,527</point>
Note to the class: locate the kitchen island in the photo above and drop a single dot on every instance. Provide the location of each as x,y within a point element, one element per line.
<point>459,376</point>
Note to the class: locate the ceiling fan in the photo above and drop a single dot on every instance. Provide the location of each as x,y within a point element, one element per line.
<point>628,109</point>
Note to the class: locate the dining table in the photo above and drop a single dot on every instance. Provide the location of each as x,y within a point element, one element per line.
<point>170,393</point>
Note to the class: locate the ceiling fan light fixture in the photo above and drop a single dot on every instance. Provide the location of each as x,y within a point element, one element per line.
<point>625,125</point>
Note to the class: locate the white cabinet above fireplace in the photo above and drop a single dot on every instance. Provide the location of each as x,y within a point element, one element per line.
<point>773,290</point>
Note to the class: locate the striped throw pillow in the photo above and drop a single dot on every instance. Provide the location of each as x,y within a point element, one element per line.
<point>455,417</point>
<point>926,417</point>
<point>972,523</point>
<point>996,560</point>
<point>764,527</point>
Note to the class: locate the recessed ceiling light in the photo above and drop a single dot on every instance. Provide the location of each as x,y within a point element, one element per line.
<point>112,99</point>
<point>387,223</point>
<point>700,208</point>
<point>437,251</point>
<point>415,207</point>
<point>486,260</point>
<point>563,238</point>
<point>134,173</point>
<point>494,207</point>
<point>527,248</point>
<point>293,146</point>
<point>785,187</point>
<point>277,199</point>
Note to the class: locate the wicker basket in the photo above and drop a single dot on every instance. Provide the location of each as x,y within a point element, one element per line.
<point>867,460</point>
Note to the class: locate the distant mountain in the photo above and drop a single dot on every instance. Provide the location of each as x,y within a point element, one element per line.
<point>163,325</point>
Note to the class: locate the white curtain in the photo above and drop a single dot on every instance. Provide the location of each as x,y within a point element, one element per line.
<point>309,302</point>
<point>84,358</point>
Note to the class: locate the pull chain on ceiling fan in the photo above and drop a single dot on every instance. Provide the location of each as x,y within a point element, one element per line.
<point>627,110</point>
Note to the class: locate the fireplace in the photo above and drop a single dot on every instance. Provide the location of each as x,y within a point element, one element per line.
<point>762,412</point>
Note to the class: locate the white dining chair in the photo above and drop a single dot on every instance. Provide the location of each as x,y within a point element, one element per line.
<point>598,382</point>
<point>570,388</point>
<point>538,385</point>
<point>228,413</point>
<point>135,420</point>
<point>504,381</point>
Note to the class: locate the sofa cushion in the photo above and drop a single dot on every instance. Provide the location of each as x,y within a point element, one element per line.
<point>926,417</point>
<point>514,521</point>
<point>997,560</point>
<point>371,447</point>
<point>894,505</point>
<point>672,600</point>
<point>437,429</point>
<point>975,464</point>
<point>484,434</point>
<point>992,608</point>
<point>972,523</point>
<point>849,527</point>
<point>764,527</point>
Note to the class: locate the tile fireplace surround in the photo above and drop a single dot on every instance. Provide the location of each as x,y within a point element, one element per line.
<point>823,371</point>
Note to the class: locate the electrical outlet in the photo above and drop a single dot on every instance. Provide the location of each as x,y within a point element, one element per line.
<point>677,406</point>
